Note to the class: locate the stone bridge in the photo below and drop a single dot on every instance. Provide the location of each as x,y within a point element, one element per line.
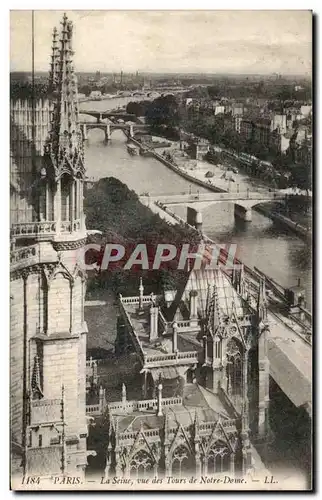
<point>195,203</point>
<point>109,127</point>
<point>100,115</point>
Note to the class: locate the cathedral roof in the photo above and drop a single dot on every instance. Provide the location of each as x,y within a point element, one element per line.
<point>196,401</point>
<point>202,280</point>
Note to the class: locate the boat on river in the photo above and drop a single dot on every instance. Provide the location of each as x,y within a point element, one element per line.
<point>132,149</point>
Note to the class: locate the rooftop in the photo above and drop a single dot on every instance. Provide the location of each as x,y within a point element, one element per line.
<point>196,401</point>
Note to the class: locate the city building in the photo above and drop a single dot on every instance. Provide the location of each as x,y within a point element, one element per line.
<point>202,363</point>
<point>198,148</point>
<point>48,331</point>
<point>263,128</point>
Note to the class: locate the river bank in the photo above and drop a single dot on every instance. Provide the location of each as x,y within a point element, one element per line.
<point>197,176</point>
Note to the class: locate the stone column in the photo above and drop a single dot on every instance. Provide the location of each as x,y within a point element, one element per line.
<point>108,131</point>
<point>243,213</point>
<point>57,207</point>
<point>81,203</point>
<point>159,414</point>
<point>71,326</point>
<point>145,375</point>
<point>123,394</point>
<point>101,399</point>
<point>232,463</point>
<point>204,466</point>
<point>154,313</point>
<point>72,204</point>
<point>168,465</point>
<point>193,304</point>
<point>118,470</point>
<point>205,348</point>
<point>198,223</point>
<point>175,337</point>
<point>47,202</point>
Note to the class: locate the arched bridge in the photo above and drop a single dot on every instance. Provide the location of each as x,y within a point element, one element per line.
<point>109,127</point>
<point>195,203</point>
<point>101,115</point>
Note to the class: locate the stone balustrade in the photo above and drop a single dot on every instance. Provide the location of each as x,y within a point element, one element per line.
<point>93,410</point>
<point>144,405</point>
<point>24,256</point>
<point>130,435</point>
<point>44,228</point>
<point>135,300</point>
<point>178,358</point>
<point>227,425</point>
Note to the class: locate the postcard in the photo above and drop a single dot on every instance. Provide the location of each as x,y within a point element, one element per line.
<point>160,250</point>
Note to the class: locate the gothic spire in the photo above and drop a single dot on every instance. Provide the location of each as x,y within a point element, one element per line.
<point>65,143</point>
<point>213,314</point>
<point>261,301</point>
<point>35,379</point>
<point>54,64</point>
<point>238,279</point>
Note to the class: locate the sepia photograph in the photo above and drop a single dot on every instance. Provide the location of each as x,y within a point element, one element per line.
<point>161,250</point>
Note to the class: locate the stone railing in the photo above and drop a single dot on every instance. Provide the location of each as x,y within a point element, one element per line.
<point>144,405</point>
<point>227,425</point>
<point>183,324</point>
<point>33,228</point>
<point>45,411</point>
<point>178,358</point>
<point>93,410</point>
<point>45,228</point>
<point>188,325</point>
<point>24,255</point>
<point>130,435</point>
<point>136,299</point>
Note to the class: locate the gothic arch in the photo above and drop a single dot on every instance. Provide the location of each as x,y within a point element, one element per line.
<point>218,458</point>
<point>67,185</point>
<point>140,464</point>
<point>182,461</point>
<point>52,272</point>
<point>234,355</point>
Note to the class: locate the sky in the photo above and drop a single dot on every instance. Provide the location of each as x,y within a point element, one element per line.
<point>254,42</point>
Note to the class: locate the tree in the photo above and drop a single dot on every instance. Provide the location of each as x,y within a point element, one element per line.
<point>137,108</point>
<point>85,89</point>
<point>301,176</point>
<point>163,111</point>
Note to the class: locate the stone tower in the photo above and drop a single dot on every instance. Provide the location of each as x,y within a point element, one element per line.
<point>48,331</point>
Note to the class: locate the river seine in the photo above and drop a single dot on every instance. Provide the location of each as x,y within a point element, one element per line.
<point>261,243</point>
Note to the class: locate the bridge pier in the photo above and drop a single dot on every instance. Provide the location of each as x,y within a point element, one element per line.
<point>244,213</point>
<point>194,218</point>
<point>108,132</point>
<point>84,131</point>
<point>99,118</point>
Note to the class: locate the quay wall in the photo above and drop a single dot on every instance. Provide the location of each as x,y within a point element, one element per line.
<point>299,230</point>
